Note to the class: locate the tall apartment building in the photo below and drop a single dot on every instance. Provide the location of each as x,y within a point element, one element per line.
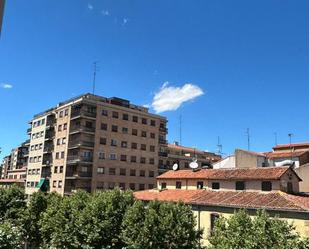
<point>14,166</point>
<point>92,142</point>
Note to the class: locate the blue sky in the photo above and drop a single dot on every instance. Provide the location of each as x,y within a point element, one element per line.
<point>250,59</point>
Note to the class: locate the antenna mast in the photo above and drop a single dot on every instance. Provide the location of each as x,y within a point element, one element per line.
<point>95,69</point>
<point>248,138</point>
<point>219,145</point>
<point>180,129</point>
<point>290,138</point>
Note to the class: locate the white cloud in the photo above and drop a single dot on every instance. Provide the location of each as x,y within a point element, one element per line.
<point>90,6</point>
<point>6,86</point>
<point>105,12</point>
<point>170,98</point>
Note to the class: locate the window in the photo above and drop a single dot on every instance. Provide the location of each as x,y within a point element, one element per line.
<point>112,171</point>
<point>150,186</point>
<point>103,126</point>
<point>66,112</point>
<point>56,169</point>
<point>54,184</point>
<point>124,144</point>
<point>64,140</point>
<point>115,115</point>
<point>135,119</point>
<point>240,185</point>
<point>133,159</point>
<point>151,173</point>
<point>134,146</point>
<point>142,173</point>
<point>103,140</point>
<point>113,142</point>
<point>200,185</point>
<point>104,113</point>
<point>61,114</point>
<point>114,128</point>
<point>112,157</point>
<point>58,141</point>
<point>125,130</point>
<point>62,154</point>
<point>151,161</point>
<point>125,116</point>
<point>111,185</point>
<point>101,155</point>
<point>152,148</point>
<point>60,184</point>
<point>266,186</point>
<point>132,172</point>
<point>143,160</point>
<point>134,132</point>
<point>141,186</point>
<point>132,186</point>
<point>59,127</point>
<point>61,169</point>
<point>57,155</point>
<point>123,158</point>
<point>122,172</point>
<point>144,134</point>
<point>65,126</point>
<point>163,185</point>
<point>143,146</point>
<point>100,170</point>
<point>152,122</point>
<point>178,185</point>
<point>144,120</point>
<point>213,218</point>
<point>122,185</point>
<point>215,185</point>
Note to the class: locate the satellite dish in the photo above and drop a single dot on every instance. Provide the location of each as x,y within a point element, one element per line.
<point>175,166</point>
<point>193,164</point>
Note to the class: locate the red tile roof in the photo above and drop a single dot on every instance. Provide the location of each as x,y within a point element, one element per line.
<point>236,199</point>
<point>269,173</point>
<point>282,146</point>
<point>192,150</point>
<point>286,154</point>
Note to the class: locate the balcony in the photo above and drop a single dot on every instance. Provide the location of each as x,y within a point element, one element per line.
<point>79,143</point>
<point>79,159</point>
<point>163,129</point>
<point>82,113</point>
<point>162,141</point>
<point>49,135</point>
<point>48,149</point>
<point>73,174</point>
<point>80,128</point>
<point>29,131</point>
<point>163,154</point>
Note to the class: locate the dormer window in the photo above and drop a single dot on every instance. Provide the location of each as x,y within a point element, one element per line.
<point>266,186</point>
<point>240,185</point>
<point>215,185</point>
<point>200,185</point>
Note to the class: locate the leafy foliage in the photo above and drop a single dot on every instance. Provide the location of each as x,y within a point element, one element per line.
<point>10,236</point>
<point>261,232</point>
<point>160,225</point>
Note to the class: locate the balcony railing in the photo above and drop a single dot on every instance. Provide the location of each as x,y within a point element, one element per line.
<point>163,154</point>
<point>78,173</point>
<point>29,130</point>
<point>78,158</point>
<point>80,112</point>
<point>162,141</point>
<point>78,143</point>
<point>79,128</point>
<point>48,149</point>
<point>163,129</point>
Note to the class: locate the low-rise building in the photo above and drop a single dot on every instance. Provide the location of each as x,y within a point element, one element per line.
<point>183,156</point>
<point>214,192</point>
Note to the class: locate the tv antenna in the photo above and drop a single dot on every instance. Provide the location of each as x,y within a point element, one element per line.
<point>248,138</point>
<point>95,69</point>
<point>180,129</point>
<point>219,145</point>
<point>290,138</point>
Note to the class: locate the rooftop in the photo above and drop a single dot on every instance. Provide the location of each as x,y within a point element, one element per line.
<point>285,146</point>
<point>268,173</point>
<point>285,154</point>
<point>188,149</point>
<point>271,201</point>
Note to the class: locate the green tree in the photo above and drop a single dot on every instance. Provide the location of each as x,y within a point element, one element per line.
<point>12,203</point>
<point>100,221</point>
<point>240,231</point>
<point>59,226</point>
<point>31,217</point>
<point>10,236</point>
<point>160,225</point>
